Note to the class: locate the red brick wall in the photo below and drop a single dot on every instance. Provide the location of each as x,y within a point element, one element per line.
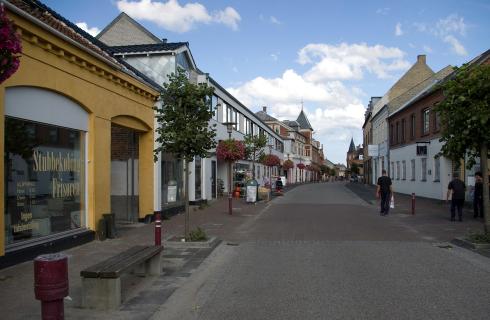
<point>416,109</point>
<point>122,145</point>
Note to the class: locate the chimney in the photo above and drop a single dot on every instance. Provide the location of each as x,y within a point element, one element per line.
<point>421,58</point>
<point>264,108</point>
<point>164,40</point>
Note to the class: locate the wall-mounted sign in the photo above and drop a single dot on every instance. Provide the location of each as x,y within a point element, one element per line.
<point>373,150</point>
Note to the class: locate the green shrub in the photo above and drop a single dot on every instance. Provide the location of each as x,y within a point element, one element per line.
<point>479,237</point>
<point>197,235</point>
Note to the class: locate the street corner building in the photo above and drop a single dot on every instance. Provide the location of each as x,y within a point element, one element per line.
<point>76,134</point>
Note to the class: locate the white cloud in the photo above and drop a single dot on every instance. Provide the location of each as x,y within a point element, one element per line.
<point>456,46</point>
<point>173,17</point>
<point>447,29</point>
<point>334,109</point>
<point>350,61</point>
<point>274,56</point>
<point>398,29</point>
<point>450,25</point>
<point>84,26</point>
<point>427,49</point>
<point>274,20</point>
<point>383,11</point>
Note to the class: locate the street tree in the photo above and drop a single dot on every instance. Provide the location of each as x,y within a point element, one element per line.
<point>183,125</point>
<point>354,168</point>
<point>465,119</point>
<point>254,148</point>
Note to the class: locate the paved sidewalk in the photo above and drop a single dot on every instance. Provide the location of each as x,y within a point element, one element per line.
<point>431,219</point>
<point>141,296</point>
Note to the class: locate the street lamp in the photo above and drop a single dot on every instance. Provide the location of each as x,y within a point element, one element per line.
<point>229,128</point>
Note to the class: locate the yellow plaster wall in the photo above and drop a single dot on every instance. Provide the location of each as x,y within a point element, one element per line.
<point>103,97</point>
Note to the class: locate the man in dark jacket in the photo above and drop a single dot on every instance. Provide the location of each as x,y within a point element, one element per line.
<point>478,196</point>
<point>384,189</point>
<point>456,189</point>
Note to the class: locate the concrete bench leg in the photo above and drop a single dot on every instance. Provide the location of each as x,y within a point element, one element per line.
<point>154,265</point>
<point>103,294</point>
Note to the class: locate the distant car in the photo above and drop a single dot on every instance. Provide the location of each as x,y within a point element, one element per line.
<point>354,179</point>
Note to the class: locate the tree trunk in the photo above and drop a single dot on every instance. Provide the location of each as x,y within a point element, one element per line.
<point>186,199</point>
<point>484,170</point>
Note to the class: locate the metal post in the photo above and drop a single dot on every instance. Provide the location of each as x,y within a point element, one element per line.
<point>158,228</point>
<point>413,203</point>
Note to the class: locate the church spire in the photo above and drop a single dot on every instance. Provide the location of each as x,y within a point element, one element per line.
<point>352,146</point>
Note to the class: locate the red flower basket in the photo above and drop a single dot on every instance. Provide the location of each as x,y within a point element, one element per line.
<point>271,160</point>
<point>230,150</point>
<point>10,47</point>
<point>300,166</point>
<point>288,164</point>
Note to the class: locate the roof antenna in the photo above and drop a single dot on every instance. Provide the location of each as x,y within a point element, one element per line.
<point>301,103</point>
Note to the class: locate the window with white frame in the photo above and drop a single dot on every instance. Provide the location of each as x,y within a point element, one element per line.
<point>437,169</point>
<point>412,165</point>
<point>425,121</point>
<point>398,170</point>
<point>214,108</point>
<point>404,170</point>
<point>392,170</point>
<point>423,162</point>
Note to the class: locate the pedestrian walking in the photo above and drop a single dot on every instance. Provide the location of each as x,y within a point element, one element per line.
<point>384,190</point>
<point>456,191</point>
<point>478,196</point>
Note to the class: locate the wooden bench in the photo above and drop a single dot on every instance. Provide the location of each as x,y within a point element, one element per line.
<point>101,283</point>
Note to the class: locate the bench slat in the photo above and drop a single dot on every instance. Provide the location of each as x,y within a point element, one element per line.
<point>94,271</point>
<point>115,270</point>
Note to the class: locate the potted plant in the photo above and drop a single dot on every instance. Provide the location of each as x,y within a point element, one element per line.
<point>10,47</point>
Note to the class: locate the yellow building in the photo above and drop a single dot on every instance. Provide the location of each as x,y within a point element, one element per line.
<point>76,129</point>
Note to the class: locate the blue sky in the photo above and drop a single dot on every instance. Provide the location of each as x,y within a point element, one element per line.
<point>333,55</point>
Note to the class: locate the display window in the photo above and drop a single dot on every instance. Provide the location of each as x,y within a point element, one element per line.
<point>44,180</point>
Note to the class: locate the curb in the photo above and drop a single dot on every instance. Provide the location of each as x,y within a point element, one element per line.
<point>471,245</point>
<point>210,243</point>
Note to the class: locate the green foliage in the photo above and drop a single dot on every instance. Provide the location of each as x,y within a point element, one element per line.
<point>354,168</point>
<point>197,235</point>
<point>254,146</point>
<point>478,237</point>
<point>465,113</point>
<point>184,119</point>
<point>333,172</point>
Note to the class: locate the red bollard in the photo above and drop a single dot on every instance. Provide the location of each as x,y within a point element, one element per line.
<point>158,229</point>
<point>413,203</point>
<point>51,284</point>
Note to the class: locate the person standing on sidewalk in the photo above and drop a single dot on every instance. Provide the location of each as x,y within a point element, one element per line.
<point>384,189</point>
<point>478,196</point>
<point>456,189</point>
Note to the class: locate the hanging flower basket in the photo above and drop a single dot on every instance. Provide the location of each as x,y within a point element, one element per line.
<point>10,47</point>
<point>271,160</point>
<point>230,150</point>
<point>288,164</point>
<point>300,166</point>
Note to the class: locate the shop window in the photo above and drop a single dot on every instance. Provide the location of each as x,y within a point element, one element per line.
<point>45,191</point>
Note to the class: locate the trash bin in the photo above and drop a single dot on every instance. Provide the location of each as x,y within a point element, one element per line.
<point>110,220</point>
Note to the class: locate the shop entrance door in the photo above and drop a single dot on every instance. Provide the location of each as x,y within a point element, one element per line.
<point>124,174</point>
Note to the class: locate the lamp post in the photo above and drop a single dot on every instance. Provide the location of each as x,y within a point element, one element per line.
<point>229,129</point>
